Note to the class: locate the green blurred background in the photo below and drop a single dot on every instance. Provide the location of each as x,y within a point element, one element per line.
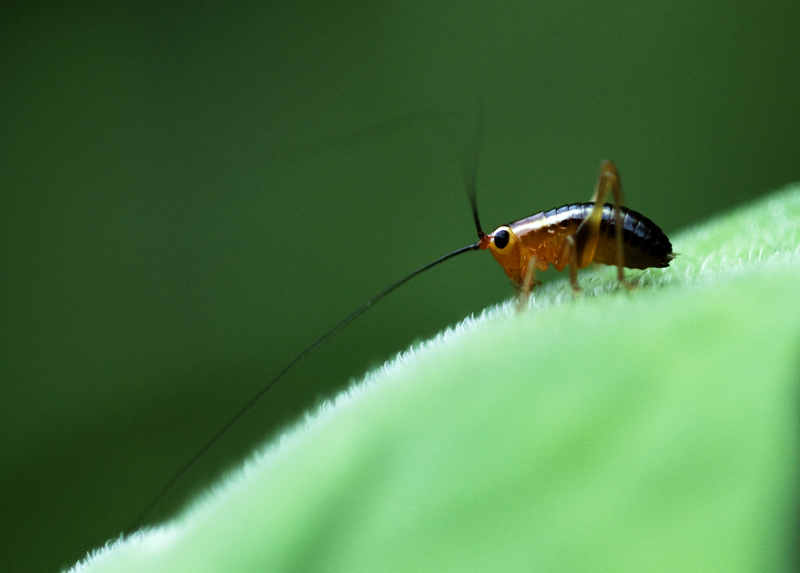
<point>191,193</point>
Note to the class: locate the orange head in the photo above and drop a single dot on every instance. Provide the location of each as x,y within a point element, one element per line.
<point>505,248</point>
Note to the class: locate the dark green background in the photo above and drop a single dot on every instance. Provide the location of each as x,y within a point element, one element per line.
<point>190,194</point>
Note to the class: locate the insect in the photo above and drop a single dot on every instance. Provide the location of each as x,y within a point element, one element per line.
<point>571,236</point>
<point>576,235</point>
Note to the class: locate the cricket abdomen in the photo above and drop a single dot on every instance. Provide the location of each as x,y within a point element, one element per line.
<point>644,243</point>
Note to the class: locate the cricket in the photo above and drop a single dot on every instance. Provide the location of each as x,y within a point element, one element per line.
<point>572,236</point>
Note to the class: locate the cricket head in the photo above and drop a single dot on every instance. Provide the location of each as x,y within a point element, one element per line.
<point>504,245</point>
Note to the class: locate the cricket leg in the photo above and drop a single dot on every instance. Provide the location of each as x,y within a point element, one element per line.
<point>588,233</point>
<point>570,254</point>
<point>528,282</point>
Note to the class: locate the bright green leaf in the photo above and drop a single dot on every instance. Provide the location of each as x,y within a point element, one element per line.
<point>651,430</point>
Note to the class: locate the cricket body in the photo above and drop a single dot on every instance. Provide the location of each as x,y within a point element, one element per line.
<point>579,234</point>
<point>573,235</point>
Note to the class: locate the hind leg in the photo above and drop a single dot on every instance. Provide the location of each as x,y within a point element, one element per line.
<point>584,241</point>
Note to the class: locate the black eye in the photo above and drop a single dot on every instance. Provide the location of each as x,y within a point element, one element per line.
<point>501,239</point>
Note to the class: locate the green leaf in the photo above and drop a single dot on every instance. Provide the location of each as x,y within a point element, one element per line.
<point>650,430</point>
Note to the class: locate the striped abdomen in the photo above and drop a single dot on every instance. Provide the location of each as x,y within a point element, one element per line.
<point>645,245</point>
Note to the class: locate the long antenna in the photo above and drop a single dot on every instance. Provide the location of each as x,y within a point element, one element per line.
<point>474,204</point>
<point>288,368</point>
<point>471,166</point>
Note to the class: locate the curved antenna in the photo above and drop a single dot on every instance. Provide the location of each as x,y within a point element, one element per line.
<point>471,167</point>
<point>288,368</point>
<point>473,201</point>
